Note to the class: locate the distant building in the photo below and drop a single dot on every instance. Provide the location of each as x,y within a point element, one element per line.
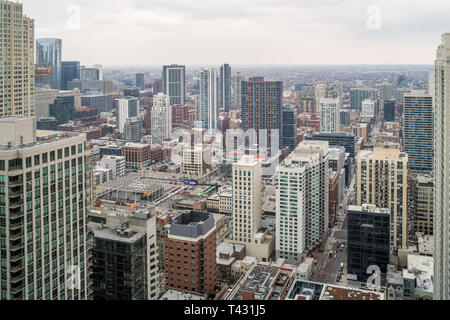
<point>101,102</point>
<point>358,95</point>
<point>140,83</point>
<point>63,109</point>
<point>47,123</point>
<point>126,107</point>
<point>289,127</point>
<point>329,115</point>
<point>49,53</point>
<point>132,130</point>
<point>338,139</point>
<point>174,83</point>
<point>422,220</point>
<point>161,119</point>
<point>225,87</point>
<point>262,108</point>
<point>70,71</point>
<point>389,110</point>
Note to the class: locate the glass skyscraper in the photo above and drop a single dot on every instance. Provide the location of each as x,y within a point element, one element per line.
<point>225,87</point>
<point>418,131</point>
<point>173,83</point>
<point>48,53</point>
<point>70,71</point>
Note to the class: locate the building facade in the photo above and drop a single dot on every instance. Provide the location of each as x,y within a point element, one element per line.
<point>17,60</point>
<point>382,181</point>
<point>174,83</point>
<point>46,183</point>
<point>418,131</point>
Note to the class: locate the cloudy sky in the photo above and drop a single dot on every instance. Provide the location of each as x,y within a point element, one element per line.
<point>155,32</point>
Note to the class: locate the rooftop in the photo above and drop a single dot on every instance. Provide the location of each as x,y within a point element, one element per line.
<point>260,281</point>
<point>192,224</point>
<point>331,292</point>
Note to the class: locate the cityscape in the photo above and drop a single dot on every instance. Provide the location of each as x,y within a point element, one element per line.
<point>219,182</point>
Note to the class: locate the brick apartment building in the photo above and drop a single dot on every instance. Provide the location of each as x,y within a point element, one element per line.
<point>190,253</point>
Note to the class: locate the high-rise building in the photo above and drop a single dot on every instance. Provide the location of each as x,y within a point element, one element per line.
<point>208,103</point>
<point>442,171</point>
<point>40,201</point>
<point>358,95</point>
<point>157,86</point>
<point>17,61</point>
<point>238,78</point>
<point>132,130</point>
<point>89,74</point>
<point>140,83</point>
<point>382,181</point>
<point>422,220</point>
<point>70,71</point>
<point>49,53</point>
<point>314,157</point>
<point>320,92</point>
<point>101,102</point>
<point>368,241</point>
<point>63,109</point>
<point>338,139</point>
<point>368,108</point>
<point>291,210</point>
<point>247,180</point>
<point>174,83</point>
<point>329,115</point>
<point>385,91</point>
<point>344,118</point>
<point>289,127</point>
<point>418,131</point>
<point>124,255</point>
<point>126,107</point>
<point>389,110</point>
<point>225,87</point>
<point>193,234</point>
<point>161,119</point>
<point>262,108</point>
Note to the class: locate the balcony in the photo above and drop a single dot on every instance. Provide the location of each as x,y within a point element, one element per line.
<point>15,225</point>
<point>15,237</point>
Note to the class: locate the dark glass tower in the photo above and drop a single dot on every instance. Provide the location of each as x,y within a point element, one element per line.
<point>368,240</point>
<point>225,87</point>
<point>70,71</point>
<point>389,110</point>
<point>63,109</point>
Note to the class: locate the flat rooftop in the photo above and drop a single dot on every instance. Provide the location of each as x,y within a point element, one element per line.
<point>260,281</point>
<point>331,292</point>
<point>113,235</point>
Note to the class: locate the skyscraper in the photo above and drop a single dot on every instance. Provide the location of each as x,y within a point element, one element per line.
<point>49,53</point>
<point>382,181</point>
<point>320,92</point>
<point>291,209</point>
<point>389,110</point>
<point>368,240</point>
<point>238,78</point>
<point>161,119</point>
<point>418,131</point>
<point>368,108</point>
<point>140,81</point>
<point>208,103</point>
<point>329,115</point>
<point>63,109</point>
<point>358,95</point>
<point>314,157</point>
<point>17,61</point>
<point>442,171</point>
<point>262,108</point>
<point>70,71</point>
<point>247,175</point>
<point>225,87</point>
<point>289,127</point>
<point>45,240</point>
<point>174,83</point>
<point>126,107</point>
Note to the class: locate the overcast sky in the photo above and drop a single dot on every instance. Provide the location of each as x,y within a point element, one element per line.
<point>155,32</point>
